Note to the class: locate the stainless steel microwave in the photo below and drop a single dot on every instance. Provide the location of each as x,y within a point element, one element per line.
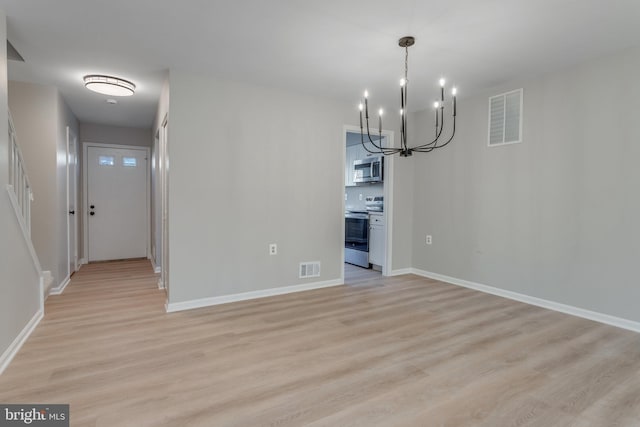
<point>368,170</point>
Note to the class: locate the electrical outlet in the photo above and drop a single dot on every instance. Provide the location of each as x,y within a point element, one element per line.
<point>360,196</point>
<point>273,249</point>
<point>428,239</point>
<point>346,197</point>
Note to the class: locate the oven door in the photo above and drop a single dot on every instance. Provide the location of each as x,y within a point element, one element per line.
<point>356,232</point>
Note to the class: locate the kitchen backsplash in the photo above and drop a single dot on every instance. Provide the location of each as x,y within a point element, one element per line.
<point>353,201</point>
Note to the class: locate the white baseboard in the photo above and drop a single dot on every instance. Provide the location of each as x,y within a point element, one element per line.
<point>401,271</point>
<point>60,288</point>
<point>160,284</point>
<point>81,261</point>
<point>551,305</point>
<point>156,269</point>
<point>206,302</point>
<point>47,282</point>
<point>17,343</point>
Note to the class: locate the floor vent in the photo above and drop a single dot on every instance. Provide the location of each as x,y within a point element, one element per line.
<point>309,269</point>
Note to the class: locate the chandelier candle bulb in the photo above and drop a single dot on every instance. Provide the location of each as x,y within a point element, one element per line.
<point>380,120</point>
<point>453,92</point>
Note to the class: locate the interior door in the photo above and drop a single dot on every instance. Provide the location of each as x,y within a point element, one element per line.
<point>116,203</point>
<point>72,200</point>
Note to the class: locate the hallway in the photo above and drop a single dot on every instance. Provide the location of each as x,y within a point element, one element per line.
<point>84,350</point>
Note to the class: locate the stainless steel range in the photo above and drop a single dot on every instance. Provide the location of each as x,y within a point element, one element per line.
<point>356,238</point>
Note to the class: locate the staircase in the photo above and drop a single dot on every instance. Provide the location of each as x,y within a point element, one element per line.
<point>21,195</point>
<point>19,187</point>
<point>22,277</point>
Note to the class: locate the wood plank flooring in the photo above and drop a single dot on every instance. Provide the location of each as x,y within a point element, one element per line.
<point>398,351</point>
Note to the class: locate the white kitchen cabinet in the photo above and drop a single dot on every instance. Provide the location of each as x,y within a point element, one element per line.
<point>352,154</point>
<point>376,238</point>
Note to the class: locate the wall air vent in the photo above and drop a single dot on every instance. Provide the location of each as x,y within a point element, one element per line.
<point>505,118</point>
<point>309,269</point>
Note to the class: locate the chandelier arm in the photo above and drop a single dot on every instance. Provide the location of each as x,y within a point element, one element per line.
<point>381,150</point>
<point>428,144</point>
<point>429,149</point>
<point>369,135</point>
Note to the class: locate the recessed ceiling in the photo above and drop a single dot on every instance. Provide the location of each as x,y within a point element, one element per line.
<point>322,47</point>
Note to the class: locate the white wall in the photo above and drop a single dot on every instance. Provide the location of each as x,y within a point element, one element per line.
<point>250,166</point>
<point>19,279</point>
<point>555,217</point>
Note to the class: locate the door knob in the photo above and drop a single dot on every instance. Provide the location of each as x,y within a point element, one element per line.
<point>92,213</point>
<point>72,212</point>
<point>92,206</point>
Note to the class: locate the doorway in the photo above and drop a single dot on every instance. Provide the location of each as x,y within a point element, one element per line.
<point>372,199</point>
<point>116,202</point>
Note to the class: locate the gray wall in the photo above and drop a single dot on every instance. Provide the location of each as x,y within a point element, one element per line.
<point>554,217</point>
<point>41,118</point>
<point>105,134</point>
<point>19,279</point>
<point>250,166</point>
<point>33,103</point>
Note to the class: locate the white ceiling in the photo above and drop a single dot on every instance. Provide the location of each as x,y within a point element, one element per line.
<point>332,48</point>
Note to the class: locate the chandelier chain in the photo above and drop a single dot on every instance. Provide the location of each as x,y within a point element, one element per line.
<point>406,63</point>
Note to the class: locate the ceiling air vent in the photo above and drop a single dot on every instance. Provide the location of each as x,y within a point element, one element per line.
<point>505,118</point>
<point>309,269</point>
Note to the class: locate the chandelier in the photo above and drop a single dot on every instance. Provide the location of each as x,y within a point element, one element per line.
<point>438,106</point>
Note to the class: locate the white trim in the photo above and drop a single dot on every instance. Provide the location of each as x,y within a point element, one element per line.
<point>401,272</point>
<point>551,305</point>
<point>47,280</point>
<point>17,343</point>
<point>24,228</point>
<point>85,191</point>
<point>160,284</point>
<point>156,269</point>
<point>58,290</point>
<point>81,261</point>
<point>205,302</point>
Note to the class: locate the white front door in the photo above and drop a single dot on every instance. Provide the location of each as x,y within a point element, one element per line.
<point>116,203</point>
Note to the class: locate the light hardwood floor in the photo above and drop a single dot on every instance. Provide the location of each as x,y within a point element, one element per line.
<point>399,351</point>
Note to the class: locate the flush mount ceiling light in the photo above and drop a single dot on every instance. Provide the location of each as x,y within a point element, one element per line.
<point>108,85</point>
<point>404,150</point>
